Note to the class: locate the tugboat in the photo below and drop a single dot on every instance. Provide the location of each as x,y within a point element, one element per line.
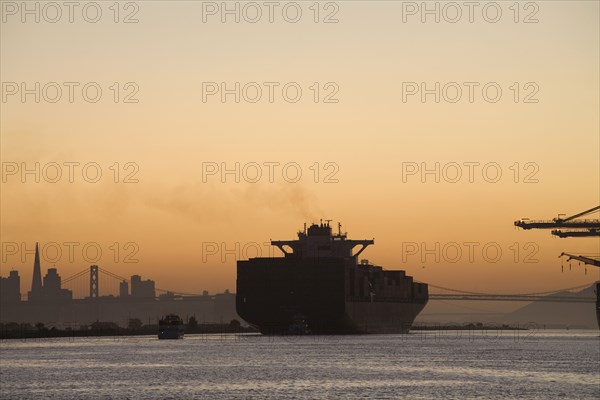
<point>320,287</point>
<point>170,327</point>
<point>299,326</point>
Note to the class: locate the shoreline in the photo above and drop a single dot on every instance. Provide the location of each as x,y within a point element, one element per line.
<point>120,332</point>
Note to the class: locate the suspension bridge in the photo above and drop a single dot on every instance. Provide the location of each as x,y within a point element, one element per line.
<point>566,295</point>
<point>89,281</point>
<point>95,281</point>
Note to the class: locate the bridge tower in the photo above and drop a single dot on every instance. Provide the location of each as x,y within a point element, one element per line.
<point>93,281</point>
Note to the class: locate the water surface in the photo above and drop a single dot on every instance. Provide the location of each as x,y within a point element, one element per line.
<point>421,365</point>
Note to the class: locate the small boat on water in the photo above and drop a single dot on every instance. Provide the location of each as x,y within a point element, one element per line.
<point>170,327</point>
<point>299,326</point>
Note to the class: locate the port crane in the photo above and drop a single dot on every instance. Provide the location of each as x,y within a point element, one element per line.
<point>584,228</point>
<point>581,227</point>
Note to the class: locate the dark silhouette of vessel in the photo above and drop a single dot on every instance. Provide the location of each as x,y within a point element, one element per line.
<point>598,303</point>
<point>319,287</point>
<point>170,327</point>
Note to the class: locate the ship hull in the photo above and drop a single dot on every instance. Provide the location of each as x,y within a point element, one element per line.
<point>170,334</point>
<point>359,318</point>
<point>330,296</point>
<point>382,317</point>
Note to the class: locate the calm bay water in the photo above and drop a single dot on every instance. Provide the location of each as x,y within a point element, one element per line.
<point>421,365</point>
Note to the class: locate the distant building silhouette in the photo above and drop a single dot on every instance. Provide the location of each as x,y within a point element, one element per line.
<point>52,280</point>
<point>124,289</point>
<point>49,303</point>
<point>142,289</point>
<point>36,281</point>
<point>10,288</point>
<point>51,291</point>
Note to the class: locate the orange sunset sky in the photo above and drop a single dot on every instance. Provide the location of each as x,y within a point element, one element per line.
<point>369,134</point>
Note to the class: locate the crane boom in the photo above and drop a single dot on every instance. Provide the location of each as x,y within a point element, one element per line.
<point>581,214</point>
<point>576,233</point>
<point>583,259</point>
<point>569,222</point>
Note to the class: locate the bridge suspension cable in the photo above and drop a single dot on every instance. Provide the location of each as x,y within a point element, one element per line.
<point>509,294</point>
<point>75,276</point>
<point>112,275</point>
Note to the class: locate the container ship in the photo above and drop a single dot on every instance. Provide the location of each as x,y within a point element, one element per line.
<point>319,287</point>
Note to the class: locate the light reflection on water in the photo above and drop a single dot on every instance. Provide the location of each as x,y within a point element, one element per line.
<point>422,365</point>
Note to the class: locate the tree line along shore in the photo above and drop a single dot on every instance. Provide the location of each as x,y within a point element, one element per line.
<point>134,327</point>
